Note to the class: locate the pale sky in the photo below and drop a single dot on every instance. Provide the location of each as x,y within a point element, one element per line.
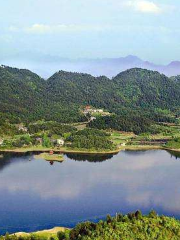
<point>92,28</point>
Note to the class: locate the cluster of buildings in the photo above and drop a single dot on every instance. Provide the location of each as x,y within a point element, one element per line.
<point>39,140</point>
<point>90,110</point>
<point>93,112</point>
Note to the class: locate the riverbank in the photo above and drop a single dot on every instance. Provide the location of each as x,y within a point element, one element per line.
<point>172,149</point>
<point>91,152</point>
<point>142,147</point>
<point>57,150</point>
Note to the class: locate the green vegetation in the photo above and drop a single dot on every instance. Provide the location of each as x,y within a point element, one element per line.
<point>119,138</point>
<point>173,144</point>
<point>25,97</point>
<point>51,126</point>
<point>52,234</point>
<point>6,127</point>
<point>50,157</point>
<point>91,139</point>
<point>137,101</point>
<point>133,226</point>
<point>127,123</point>
<point>53,135</point>
<point>45,136</point>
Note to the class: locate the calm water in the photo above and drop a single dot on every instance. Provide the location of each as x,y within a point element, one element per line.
<point>36,195</point>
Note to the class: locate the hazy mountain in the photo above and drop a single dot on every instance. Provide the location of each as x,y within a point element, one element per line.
<point>172,69</point>
<point>46,65</point>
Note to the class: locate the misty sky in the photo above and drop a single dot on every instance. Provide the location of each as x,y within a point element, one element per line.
<point>91,28</point>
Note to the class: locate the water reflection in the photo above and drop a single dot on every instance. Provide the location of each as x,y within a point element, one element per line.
<point>174,154</point>
<point>90,158</point>
<point>9,158</point>
<point>35,195</point>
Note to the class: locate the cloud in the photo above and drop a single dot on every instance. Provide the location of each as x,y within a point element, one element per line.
<point>48,29</point>
<point>39,28</point>
<point>144,6</point>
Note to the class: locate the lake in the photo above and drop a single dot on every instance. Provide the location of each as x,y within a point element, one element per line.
<point>35,195</point>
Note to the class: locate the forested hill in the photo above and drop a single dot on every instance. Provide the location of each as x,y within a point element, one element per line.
<point>25,95</point>
<point>142,88</point>
<point>80,89</point>
<point>21,92</point>
<point>134,88</point>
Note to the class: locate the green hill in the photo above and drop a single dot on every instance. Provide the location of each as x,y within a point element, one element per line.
<point>21,92</point>
<point>147,89</point>
<point>25,96</point>
<point>133,226</point>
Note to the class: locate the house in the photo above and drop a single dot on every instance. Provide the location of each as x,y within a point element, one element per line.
<point>1,141</point>
<point>92,119</point>
<point>99,110</point>
<point>87,110</point>
<point>60,142</point>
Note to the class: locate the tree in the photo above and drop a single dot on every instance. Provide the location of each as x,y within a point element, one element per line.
<point>46,141</point>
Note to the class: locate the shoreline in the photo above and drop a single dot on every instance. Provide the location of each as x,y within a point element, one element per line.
<point>142,147</point>
<point>63,151</point>
<point>66,151</point>
<point>172,149</point>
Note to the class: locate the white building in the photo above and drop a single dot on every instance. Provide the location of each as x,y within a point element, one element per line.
<point>60,142</point>
<point>123,144</point>
<point>99,110</point>
<point>1,141</point>
<point>92,118</point>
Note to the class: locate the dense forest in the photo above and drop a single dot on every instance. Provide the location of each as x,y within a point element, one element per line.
<point>127,123</point>
<point>91,139</point>
<point>25,97</point>
<point>133,226</point>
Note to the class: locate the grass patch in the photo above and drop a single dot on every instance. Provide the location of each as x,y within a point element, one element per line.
<point>50,157</point>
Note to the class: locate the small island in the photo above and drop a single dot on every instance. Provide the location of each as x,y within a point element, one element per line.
<point>51,156</point>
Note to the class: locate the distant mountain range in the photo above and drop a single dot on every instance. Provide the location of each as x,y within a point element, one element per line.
<point>45,65</point>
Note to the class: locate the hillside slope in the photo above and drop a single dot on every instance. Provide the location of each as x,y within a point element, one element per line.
<point>133,226</point>
<point>135,89</point>
<point>26,96</point>
<point>21,92</point>
<point>144,89</point>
